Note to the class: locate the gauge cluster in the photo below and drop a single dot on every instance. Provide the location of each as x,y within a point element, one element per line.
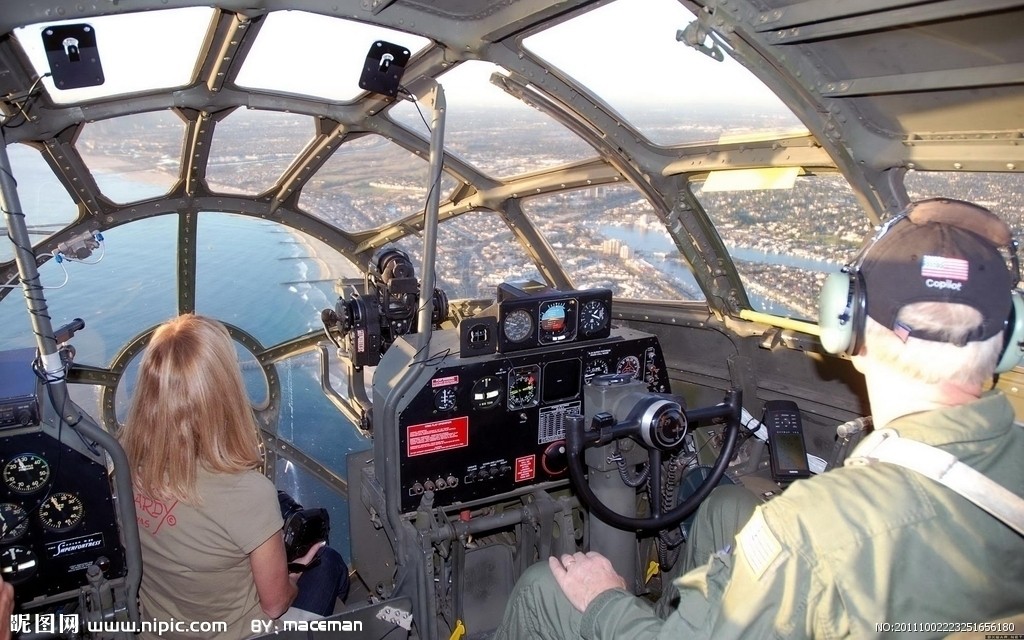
<point>531,315</point>
<point>56,516</point>
<point>483,425</point>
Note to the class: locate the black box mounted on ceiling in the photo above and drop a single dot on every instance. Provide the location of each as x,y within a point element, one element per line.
<point>73,55</point>
<point>385,64</point>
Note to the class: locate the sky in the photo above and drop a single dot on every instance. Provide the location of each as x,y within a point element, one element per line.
<point>625,51</point>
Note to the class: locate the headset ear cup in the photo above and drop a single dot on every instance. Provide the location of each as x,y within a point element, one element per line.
<point>1013,349</point>
<point>835,317</point>
<point>858,312</point>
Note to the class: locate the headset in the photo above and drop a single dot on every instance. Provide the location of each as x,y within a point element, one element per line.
<point>842,305</point>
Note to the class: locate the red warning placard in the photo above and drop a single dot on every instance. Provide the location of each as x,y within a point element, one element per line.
<point>437,436</point>
<point>526,468</point>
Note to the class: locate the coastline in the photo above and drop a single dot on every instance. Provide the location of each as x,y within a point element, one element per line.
<point>122,167</point>
<point>329,265</point>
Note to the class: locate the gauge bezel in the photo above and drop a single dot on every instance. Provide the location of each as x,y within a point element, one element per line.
<point>514,321</point>
<point>584,326</point>
<point>567,333</point>
<point>68,523</point>
<point>36,484</point>
<point>445,399</point>
<point>516,374</point>
<point>27,554</point>
<point>16,532</point>
<point>482,404</point>
<point>632,359</point>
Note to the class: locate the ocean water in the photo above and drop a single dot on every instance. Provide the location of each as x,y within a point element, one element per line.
<point>254,274</point>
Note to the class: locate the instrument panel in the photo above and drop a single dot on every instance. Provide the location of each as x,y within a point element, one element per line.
<point>481,426</point>
<point>56,517</point>
<point>531,315</point>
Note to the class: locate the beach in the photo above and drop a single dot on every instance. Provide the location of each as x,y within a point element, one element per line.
<point>330,265</point>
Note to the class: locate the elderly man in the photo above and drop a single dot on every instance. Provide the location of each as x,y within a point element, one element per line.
<point>870,549</point>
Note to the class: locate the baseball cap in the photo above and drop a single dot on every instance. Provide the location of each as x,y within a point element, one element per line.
<point>943,250</point>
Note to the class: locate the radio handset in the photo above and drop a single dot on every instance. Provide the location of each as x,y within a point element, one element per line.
<point>786,449</point>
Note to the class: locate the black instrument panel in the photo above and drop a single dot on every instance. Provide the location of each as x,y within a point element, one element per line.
<point>486,425</point>
<point>531,315</point>
<point>57,517</point>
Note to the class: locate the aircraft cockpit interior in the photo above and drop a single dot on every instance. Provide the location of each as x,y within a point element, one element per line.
<point>506,279</point>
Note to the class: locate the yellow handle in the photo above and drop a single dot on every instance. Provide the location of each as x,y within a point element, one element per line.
<point>459,631</point>
<point>652,570</point>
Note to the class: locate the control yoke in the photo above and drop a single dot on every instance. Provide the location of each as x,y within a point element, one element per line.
<point>659,424</point>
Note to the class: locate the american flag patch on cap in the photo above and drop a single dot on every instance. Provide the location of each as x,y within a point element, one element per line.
<point>939,267</point>
<point>902,331</point>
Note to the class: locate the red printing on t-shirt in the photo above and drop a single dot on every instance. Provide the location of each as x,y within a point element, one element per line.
<point>152,514</point>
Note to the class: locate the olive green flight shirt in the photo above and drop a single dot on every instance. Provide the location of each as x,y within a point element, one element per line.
<point>854,548</point>
<point>855,552</point>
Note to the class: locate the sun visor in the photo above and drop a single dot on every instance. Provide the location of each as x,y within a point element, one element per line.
<point>750,179</point>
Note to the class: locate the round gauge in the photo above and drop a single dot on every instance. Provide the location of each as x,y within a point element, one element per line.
<point>593,317</point>
<point>522,387</point>
<point>26,473</point>
<point>61,512</point>
<point>518,325</point>
<point>486,393</point>
<point>594,368</point>
<point>13,522</point>
<point>17,564</point>
<point>558,321</point>
<point>630,365</point>
<point>444,399</point>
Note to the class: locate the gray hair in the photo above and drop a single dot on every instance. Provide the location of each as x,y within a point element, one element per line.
<point>933,361</point>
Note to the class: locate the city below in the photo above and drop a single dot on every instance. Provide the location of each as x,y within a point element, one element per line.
<point>783,241</point>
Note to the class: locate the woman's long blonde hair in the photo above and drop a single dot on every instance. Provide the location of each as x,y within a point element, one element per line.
<point>189,409</point>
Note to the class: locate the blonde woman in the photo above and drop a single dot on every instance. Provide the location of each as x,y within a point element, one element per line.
<point>209,521</point>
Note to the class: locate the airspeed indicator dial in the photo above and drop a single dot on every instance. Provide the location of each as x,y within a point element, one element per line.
<point>518,325</point>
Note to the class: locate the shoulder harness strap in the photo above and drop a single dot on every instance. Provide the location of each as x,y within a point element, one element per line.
<point>885,445</point>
